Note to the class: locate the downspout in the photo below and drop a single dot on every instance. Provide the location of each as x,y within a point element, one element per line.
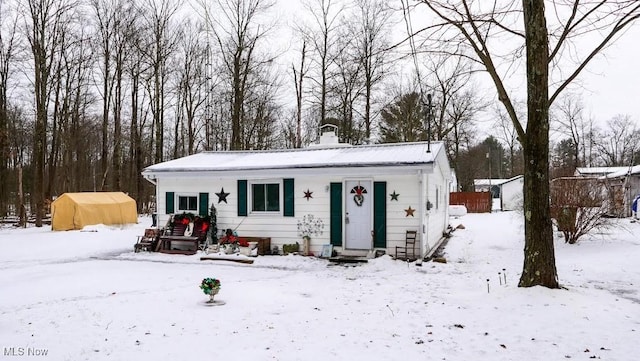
<point>151,179</point>
<point>424,213</point>
<point>427,214</point>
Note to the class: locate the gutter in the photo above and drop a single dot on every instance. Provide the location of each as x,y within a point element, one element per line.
<point>150,179</point>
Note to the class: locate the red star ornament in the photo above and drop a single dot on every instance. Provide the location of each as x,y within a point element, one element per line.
<point>410,211</point>
<point>308,194</point>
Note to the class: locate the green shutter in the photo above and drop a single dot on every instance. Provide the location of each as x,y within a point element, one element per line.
<point>289,198</point>
<point>203,204</point>
<point>336,214</point>
<point>242,197</point>
<point>170,198</point>
<point>380,214</point>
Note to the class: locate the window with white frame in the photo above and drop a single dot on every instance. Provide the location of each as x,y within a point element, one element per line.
<point>187,203</point>
<point>265,197</point>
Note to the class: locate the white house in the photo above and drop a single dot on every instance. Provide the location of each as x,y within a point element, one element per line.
<point>366,196</point>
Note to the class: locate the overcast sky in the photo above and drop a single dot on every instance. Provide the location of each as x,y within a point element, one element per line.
<point>612,82</point>
<point>609,85</point>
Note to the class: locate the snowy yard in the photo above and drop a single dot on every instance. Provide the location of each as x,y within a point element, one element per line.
<point>84,295</point>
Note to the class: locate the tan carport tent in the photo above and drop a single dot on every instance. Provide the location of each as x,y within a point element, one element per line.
<point>76,210</point>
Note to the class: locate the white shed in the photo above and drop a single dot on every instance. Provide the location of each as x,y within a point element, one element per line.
<point>507,193</point>
<point>512,193</point>
<point>366,196</point>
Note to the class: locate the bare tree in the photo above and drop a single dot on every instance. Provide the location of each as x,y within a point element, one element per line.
<point>126,15</point>
<point>370,30</point>
<point>8,43</point>
<point>468,27</point>
<point>20,128</point>
<point>192,84</point>
<point>298,78</point>
<point>457,102</point>
<point>568,115</point>
<point>141,148</point>
<point>578,207</point>
<point>618,142</point>
<point>260,124</point>
<point>345,90</point>
<point>71,101</point>
<point>462,112</point>
<point>105,18</point>
<point>504,131</point>
<point>239,30</point>
<point>322,36</point>
<point>157,49</point>
<point>45,22</point>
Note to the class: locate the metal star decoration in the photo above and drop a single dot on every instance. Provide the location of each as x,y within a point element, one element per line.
<point>394,196</point>
<point>410,212</point>
<point>308,194</point>
<point>222,196</point>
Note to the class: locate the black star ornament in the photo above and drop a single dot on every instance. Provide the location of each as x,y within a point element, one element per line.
<point>222,196</point>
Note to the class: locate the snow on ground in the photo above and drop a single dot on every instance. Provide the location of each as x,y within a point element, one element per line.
<point>84,295</point>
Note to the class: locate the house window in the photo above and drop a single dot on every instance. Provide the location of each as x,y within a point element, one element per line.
<point>187,203</point>
<point>265,197</point>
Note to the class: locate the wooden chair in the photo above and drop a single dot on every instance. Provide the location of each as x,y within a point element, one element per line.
<point>148,241</point>
<point>408,251</point>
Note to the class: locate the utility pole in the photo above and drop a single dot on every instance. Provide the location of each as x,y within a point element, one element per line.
<point>428,108</point>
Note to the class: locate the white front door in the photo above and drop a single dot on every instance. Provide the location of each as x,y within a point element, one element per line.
<point>358,216</point>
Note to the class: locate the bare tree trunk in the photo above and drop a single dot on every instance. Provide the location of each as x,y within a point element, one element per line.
<point>117,127</point>
<point>46,22</point>
<point>539,258</point>
<point>159,21</point>
<point>21,209</point>
<point>106,105</point>
<point>136,142</point>
<point>298,77</point>
<point>7,43</point>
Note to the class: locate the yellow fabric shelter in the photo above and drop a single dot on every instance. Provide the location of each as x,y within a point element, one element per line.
<point>76,210</point>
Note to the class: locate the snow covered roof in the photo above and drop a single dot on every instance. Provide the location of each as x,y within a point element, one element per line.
<point>597,171</point>
<point>391,154</point>
<point>623,171</point>
<point>486,182</point>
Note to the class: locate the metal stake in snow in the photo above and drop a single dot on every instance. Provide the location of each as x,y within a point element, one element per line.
<point>487,285</point>
<point>500,278</point>
<point>504,273</point>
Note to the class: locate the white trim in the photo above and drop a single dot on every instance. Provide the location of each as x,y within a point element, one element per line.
<point>176,200</point>
<point>345,198</point>
<point>279,182</point>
